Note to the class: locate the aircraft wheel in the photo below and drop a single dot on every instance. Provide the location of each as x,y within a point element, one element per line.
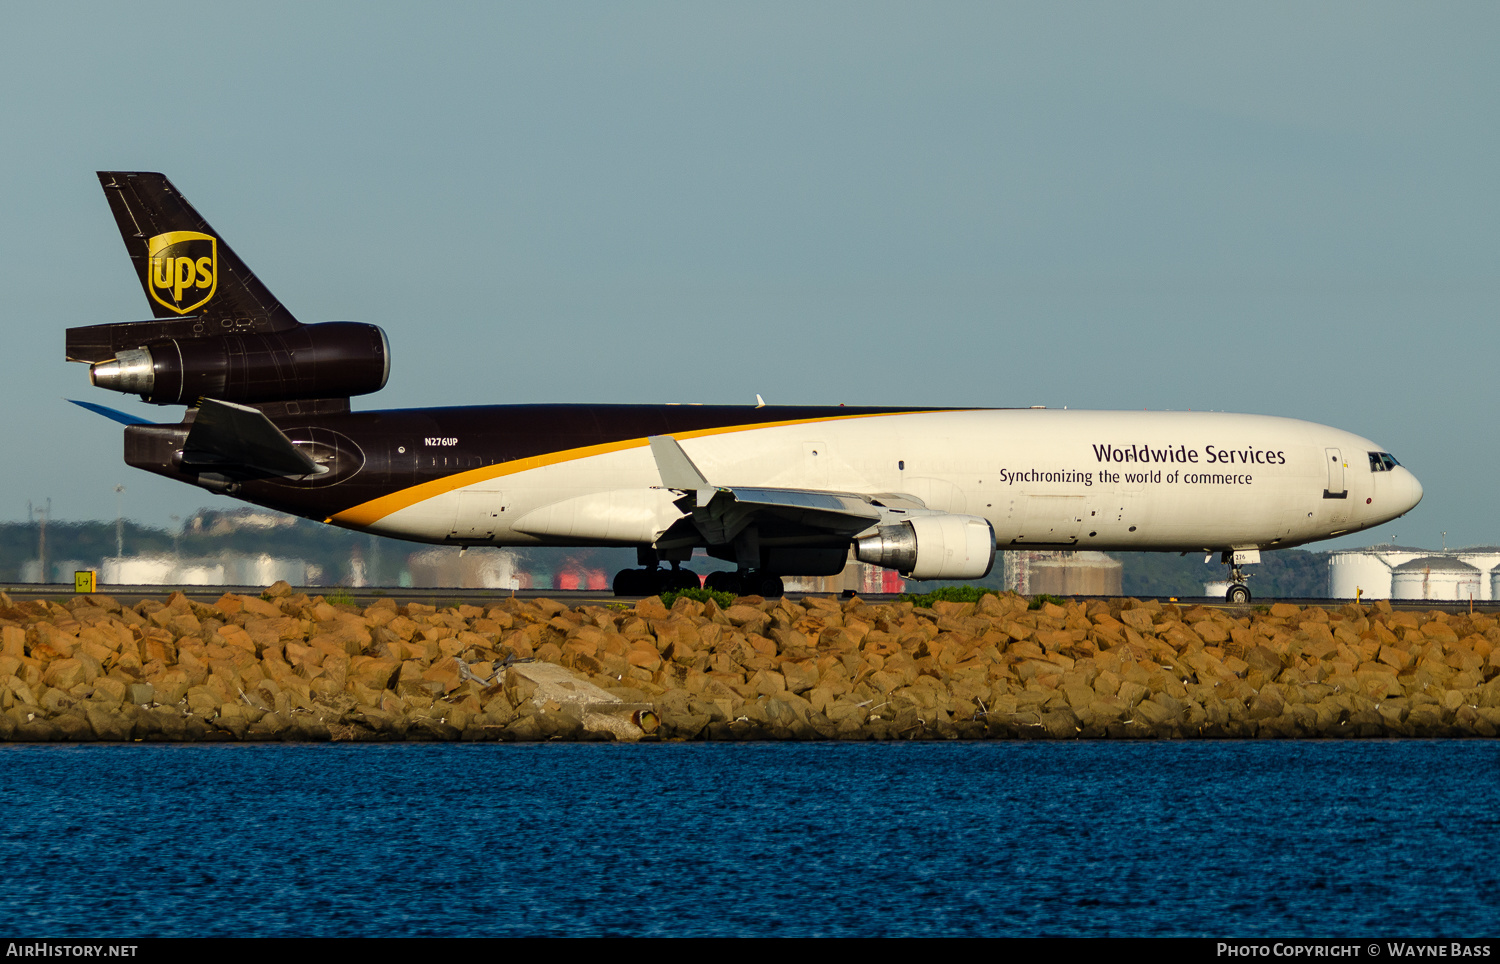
<point>1239,594</point>
<point>624,583</point>
<point>640,582</point>
<point>723,582</point>
<point>680,579</point>
<point>771,587</point>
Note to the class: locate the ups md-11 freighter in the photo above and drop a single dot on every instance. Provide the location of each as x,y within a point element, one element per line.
<point>771,490</point>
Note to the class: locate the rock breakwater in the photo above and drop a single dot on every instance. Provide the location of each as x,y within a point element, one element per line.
<point>285,666</point>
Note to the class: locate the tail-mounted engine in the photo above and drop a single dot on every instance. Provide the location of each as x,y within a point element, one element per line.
<point>938,546</point>
<point>168,364</point>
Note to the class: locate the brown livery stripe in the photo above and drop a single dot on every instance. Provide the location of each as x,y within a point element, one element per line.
<point>368,513</point>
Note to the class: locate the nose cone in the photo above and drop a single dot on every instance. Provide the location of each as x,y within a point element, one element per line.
<point>1410,492</point>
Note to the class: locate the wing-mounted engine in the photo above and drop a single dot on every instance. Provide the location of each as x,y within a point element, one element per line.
<point>935,546</point>
<point>335,359</point>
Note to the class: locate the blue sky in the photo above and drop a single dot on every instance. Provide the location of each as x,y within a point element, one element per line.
<point>1287,209</point>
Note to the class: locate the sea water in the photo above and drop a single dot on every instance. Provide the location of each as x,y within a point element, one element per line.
<point>1369,838</point>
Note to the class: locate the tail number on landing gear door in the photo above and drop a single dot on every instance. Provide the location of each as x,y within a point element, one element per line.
<point>441,442</point>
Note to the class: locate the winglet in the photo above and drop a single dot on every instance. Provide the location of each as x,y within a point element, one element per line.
<point>677,470</point>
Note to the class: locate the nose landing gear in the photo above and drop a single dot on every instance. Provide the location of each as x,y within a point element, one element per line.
<point>1239,593</point>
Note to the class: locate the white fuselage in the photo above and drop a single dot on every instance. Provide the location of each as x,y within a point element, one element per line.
<point>1046,478</point>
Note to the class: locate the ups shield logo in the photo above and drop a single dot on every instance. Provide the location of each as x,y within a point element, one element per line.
<point>183,269</point>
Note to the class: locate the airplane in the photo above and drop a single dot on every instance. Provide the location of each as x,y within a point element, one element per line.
<point>772,491</point>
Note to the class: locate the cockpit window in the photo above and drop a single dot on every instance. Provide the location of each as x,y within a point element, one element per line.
<point>1382,462</point>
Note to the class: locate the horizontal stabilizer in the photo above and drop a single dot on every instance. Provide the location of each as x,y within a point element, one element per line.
<point>124,418</point>
<point>229,435</point>
<point>97,343</point>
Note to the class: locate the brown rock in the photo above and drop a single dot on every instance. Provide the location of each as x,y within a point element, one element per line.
<point>1264,660</point>
<point>64,674</point>
<point>14,638</point>
<point>73,727</point>
<point>747,617</point>
<point>110,724</point>
<point>651,608</point>
<point>108,690</point>
<point>1131,693</point>
<point>19,690</point>
<point>203,701</point>
<point>306,728</point>
<point>1268,703</point>
<point>800,676</point>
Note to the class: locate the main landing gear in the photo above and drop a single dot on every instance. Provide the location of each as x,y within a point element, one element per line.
<point>653,582</point>
<point>651,579</point>
<point>747,583</point>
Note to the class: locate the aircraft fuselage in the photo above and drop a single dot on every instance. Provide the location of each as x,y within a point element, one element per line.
<point>584,474</point>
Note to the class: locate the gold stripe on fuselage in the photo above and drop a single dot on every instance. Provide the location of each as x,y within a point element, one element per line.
<point>368,513</point>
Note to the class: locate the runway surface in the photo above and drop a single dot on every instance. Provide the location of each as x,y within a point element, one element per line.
<point>62,592</point>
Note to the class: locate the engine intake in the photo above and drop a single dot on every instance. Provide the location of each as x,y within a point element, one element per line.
<point>336,359</point>
<point>938,546</point>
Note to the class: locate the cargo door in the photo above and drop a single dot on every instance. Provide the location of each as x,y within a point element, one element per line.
<point>1335,463</point>
<point>1337,509</point>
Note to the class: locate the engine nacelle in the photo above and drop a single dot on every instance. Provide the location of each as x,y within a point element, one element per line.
<point>336,359</point>
<point>938,546</point>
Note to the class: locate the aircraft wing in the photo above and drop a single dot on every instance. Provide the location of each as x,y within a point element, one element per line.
<point>837,513</point>
<point>721,513</point>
